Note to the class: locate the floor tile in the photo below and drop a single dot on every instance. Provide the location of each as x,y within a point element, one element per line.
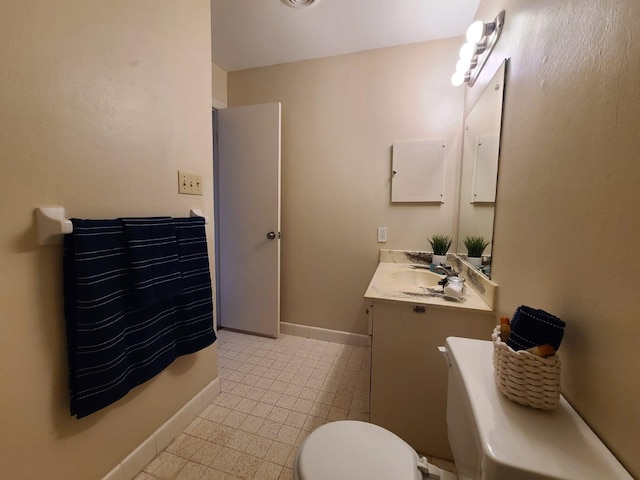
<point>303,406</point>
<point>287,401</point>
<point>245,405</point>
<point>287,434</point>
<point>225,460</point>
<point>291,458</point>
<point>191,471</point>
<point>278,453</point>
<point>268,471</point>
<point>212,474</point>
<point>234,419</point>
<point>286,474</point>
<point>239,440</point>
<point>185,446</point>
<point>269,429</point>
<point>258,446</point>
<point>274,393</point>
<point>221,434</point>
<point>278,414</point>
<point>230,400</point>
<point>251,424</point>
<point>206,453</point>
<point>295,419</point>
<point>165,466</point>
<point>215,413</point>
<point>144,476</point>
<point>311,423</point>
<point>245,467</point>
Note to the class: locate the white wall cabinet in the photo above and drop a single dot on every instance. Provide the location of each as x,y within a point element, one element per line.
<point>418,171</point>
<point>485,169</point>
<point>408,374</point>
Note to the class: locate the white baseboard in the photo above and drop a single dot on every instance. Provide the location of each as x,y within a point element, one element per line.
<point>131,466</point>
<point>335,336</point>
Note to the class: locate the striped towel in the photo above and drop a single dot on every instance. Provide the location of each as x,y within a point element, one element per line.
<point>114,343</point>
<point>153,251</point>
<point>531,327</point>
<point>195,307</point>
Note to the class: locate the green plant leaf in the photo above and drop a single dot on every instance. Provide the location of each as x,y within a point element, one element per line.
<point>440,244</point>
<point>475,245</point>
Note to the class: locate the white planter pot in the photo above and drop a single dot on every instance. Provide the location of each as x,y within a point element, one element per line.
<point>439,259</point>
<point>475,261</point>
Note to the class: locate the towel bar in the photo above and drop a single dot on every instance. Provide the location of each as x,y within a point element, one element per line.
<point>52,223</point>
<point>196,212</point>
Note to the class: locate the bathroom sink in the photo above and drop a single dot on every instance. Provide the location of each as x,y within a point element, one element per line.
<point>416,278</point>
<point>416,284</point>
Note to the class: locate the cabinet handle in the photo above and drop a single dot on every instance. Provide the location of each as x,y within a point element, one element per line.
<point>419,309</point>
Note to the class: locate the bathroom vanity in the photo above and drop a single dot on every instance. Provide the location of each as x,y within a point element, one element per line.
<point>408,374</point>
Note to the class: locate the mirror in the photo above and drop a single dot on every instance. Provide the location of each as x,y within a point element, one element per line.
<point>480,165</point>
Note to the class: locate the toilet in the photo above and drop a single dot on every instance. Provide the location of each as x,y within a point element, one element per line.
<point>491,437</point>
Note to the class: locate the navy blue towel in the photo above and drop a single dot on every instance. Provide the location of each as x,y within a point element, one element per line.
<point>114,343</point>
<point>195,307</point>
<point>153,251</point>
<point>531,327</point>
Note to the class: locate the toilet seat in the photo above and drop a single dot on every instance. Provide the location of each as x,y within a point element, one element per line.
<point>352,450</point>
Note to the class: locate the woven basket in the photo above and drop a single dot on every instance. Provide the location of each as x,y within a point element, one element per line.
<point>526,378</point>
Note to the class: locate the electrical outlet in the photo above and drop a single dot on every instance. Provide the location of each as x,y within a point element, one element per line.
<point>382,234</point>
<point>189,184</point>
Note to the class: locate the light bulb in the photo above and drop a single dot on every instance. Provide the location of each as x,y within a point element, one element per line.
<point>457,79</point>
<point>467,51</point>
<point>463,65</point>
<point>475,32</point>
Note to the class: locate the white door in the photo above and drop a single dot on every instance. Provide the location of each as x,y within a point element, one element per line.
<point>249,218</point>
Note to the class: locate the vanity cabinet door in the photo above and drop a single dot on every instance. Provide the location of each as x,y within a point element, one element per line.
<point>408,374</point>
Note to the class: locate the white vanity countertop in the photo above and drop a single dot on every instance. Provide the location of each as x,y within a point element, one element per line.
<point>384,287</point>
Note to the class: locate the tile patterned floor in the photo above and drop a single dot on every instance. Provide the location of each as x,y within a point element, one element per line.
<point>274,393</point>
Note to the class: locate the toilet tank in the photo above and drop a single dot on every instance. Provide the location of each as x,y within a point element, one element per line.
<point>493,438</point>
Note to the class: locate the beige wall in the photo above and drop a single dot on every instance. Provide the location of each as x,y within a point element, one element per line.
<point>567,227</point>
<point>340,116</point>
<point>218,85</point>
<point>102,103</point>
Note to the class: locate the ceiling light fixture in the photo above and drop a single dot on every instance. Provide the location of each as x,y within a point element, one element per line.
<point>481,38</point>
<point>299,3</point>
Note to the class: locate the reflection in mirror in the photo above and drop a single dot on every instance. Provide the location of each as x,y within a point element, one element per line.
<point>480,165</point>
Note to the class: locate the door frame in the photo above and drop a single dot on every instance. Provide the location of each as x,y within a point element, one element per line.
<point>216,213</point>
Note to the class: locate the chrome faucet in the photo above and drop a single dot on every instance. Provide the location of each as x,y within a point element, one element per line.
<point>444,270</point>
<point>448,274</point>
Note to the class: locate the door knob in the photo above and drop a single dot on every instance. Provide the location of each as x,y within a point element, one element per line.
<point>271,235</point>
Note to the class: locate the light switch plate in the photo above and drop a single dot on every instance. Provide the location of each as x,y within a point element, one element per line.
<point>189,184</point>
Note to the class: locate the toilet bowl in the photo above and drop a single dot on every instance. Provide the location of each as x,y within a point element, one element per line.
<point>351,449</point>
<point>491,437</point>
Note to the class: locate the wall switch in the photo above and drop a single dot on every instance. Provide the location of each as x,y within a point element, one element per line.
<point>382,234</point>
<point>189,184</point>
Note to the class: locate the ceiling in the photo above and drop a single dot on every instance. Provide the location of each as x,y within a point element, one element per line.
<point>255,33</point>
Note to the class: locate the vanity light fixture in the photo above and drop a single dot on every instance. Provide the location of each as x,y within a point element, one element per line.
<point>481,38</point>
<point>299,3</point>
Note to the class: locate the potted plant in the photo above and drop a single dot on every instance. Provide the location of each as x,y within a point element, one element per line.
<point>440,245</point>
<point>475,247</point>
